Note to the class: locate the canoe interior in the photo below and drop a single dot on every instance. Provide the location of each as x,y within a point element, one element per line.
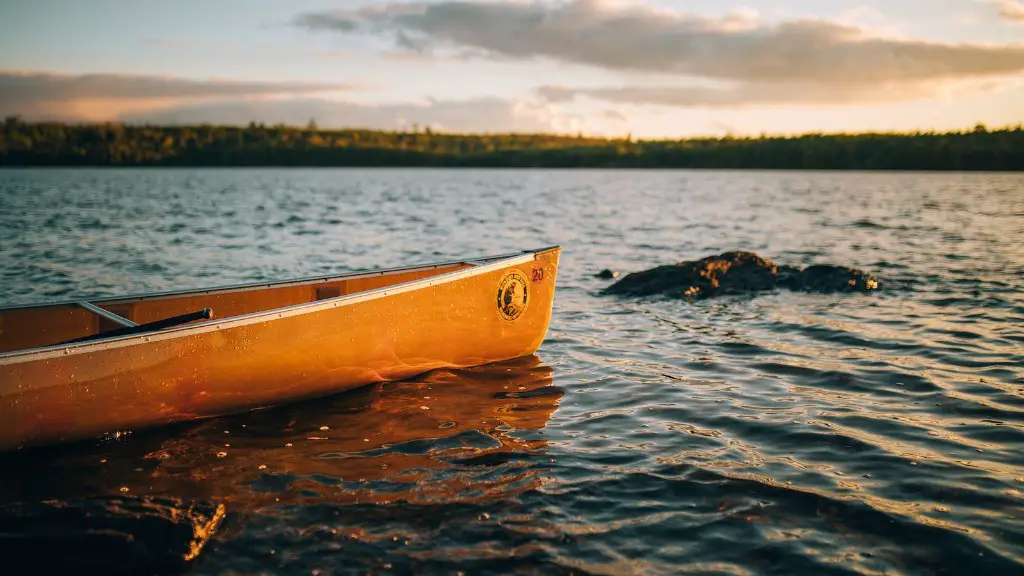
<point>27,327</point>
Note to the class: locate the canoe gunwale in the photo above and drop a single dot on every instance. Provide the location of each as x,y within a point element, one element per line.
<point>250,286</point>
<point>492,263</point>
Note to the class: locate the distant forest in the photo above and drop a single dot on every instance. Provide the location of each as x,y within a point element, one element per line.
<point>111,144</point>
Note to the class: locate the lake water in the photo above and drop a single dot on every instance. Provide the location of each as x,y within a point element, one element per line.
<point>781,433</point>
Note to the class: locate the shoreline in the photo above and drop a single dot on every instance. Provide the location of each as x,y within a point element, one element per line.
<point>50,145</point>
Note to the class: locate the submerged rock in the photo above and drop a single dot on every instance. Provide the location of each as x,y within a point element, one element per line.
<point>607,274</point>
<point>108,535</point>
<point>738,273</point>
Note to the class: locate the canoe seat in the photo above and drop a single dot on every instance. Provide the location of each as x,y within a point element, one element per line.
<point>325,292</point>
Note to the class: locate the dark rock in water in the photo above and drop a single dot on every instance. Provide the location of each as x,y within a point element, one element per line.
<point>106,535</point>
<point>825,278</point>
<point>607,274</point>
<point>737,273</point>
<point>727,273</point>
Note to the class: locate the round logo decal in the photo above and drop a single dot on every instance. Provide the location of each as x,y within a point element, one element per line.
<point>512,295</point>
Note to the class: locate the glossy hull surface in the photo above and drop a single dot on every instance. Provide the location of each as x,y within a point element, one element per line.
<point>457,316</point>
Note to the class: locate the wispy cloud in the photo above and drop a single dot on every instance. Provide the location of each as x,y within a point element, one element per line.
<point>129,98</point>
<point>469,115</point>
<point>43,86</point>
<point>1012,10</point>
<point>740,94</point>
<point>99,96</point>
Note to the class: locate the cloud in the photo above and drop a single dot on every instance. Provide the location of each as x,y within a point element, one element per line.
<point>471,115</point>
<point>153,99</point>
<point>730,61</point>
<point>741,94</point>
<point>1012,10</point>
<point>105,96</point>
<point>630,37</point>
<point>614,116</point>
<point>42,86</point>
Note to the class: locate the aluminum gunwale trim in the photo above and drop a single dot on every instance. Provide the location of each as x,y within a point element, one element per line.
<point>46,352</point>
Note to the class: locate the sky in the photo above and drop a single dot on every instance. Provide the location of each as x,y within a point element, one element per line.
<point>646,68</point>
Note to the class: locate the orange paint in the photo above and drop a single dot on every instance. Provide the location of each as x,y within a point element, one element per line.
<point>268,344</point>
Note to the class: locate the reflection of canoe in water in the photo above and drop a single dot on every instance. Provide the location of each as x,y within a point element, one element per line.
<point>436,438</point>
<point>467,437</point>
<point>270,344</point>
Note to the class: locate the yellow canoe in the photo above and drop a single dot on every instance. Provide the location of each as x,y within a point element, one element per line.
<point>76,370</point>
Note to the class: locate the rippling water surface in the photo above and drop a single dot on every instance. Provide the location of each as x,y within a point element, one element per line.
<point>782,433</point>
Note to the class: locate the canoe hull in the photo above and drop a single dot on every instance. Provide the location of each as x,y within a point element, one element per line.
<point>454,320</point>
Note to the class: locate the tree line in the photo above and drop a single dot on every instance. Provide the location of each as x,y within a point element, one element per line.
<point>114,144</point>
